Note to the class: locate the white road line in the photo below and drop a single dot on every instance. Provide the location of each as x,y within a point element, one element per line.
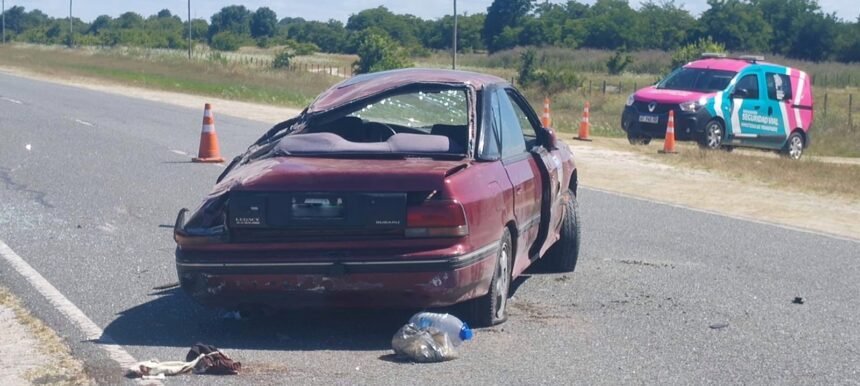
<point>85,123</point>
<point>15,101</point>
<point>180,152</point>
<point>67,308</point>
<point>735,217</point>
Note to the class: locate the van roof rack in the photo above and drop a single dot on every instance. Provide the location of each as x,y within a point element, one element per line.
<point>711,55</point>
<point>752,58</point>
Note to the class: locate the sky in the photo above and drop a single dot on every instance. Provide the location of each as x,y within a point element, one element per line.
<point>325,9</point>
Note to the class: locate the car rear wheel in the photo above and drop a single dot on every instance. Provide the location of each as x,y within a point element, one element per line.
<point>713,137</point>
<point>562,256</point>
<point>638,140</point>
<point>491,309</point>
<point>794,146</point>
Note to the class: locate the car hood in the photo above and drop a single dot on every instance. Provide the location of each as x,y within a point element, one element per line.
<point>291,173</point>
<point>653,94</point>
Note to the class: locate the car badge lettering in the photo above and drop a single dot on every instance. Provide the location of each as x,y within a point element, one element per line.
<point>652,106</point>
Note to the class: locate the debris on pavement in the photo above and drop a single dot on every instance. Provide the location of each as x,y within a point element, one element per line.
<point>718,326</point>
<point>201,359</point>
<point>212,360</point>
<point>797,300</point>
<point>430,337</point>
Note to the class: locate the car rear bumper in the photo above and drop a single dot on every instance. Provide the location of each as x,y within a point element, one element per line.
<point>388,281</point>
<point>688,126</point>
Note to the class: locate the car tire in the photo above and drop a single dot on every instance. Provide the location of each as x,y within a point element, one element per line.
<point>491,309</point>
<point>794,146</point>
<point>563,255</point>
<point>712,139</point>
<point>638,140</point>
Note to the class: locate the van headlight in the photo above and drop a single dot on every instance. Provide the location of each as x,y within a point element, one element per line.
<point>693,106</point>
<point>630,100</point>
<point>690,107</point>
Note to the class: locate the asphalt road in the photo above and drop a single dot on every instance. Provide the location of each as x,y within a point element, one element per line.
<point>91,203</point>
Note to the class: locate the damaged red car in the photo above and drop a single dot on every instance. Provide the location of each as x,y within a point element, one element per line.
<point>412,188</point>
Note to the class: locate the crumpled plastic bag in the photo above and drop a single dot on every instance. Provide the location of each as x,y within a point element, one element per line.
<point>423,346</point>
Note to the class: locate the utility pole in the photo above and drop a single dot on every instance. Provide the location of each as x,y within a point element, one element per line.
<point>71,27</point>
<point>4,21</point>
<point>454,43</point>
<point>189,29</point>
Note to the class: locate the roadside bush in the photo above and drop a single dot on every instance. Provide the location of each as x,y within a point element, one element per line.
<point>304,49</point>
<point>377,52</point>
<point>226,41</point>
<point>282,59</point>
<point>693,51</point>
<point>528,66</point>
<point>557,80</point>
<point>618,62</point>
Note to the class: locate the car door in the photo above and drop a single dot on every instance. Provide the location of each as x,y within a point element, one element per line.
<point>751,124</point>
<point>551,172</point>
<point>778,101</point>
<point>523,173</point>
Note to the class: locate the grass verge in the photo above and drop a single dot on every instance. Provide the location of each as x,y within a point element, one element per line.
<point>211,78</point>
<point>62,368</point>
<point>806,175</point>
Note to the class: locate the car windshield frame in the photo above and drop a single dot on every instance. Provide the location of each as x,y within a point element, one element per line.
<point>699,78</point>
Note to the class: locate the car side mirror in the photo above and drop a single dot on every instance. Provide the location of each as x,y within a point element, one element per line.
<point>741,93</point>
<point>550,139</point>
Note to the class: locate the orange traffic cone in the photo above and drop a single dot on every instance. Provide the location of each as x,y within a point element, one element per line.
<point>584,124</point>
<point>546,121</point>
<point>669,143</point>
<point>209,150</point>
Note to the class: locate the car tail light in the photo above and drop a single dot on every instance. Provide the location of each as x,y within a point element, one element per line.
<point>436,219</point>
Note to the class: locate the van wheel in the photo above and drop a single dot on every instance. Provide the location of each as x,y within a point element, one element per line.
<point>562,256</point>
<point>638,140</point>
<point>794,146</point>
<point>713,137</point>
<point>491,309</point>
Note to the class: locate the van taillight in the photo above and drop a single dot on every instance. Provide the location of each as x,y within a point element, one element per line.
<point>436,219</point>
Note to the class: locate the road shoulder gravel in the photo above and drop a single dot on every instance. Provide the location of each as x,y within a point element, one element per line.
<point>32,352</point>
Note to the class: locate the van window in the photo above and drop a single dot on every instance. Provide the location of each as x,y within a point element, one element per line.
<point>778,86</point>
<point>749,83</point>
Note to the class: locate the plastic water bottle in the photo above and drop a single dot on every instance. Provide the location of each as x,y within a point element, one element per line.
<point>457,330</point>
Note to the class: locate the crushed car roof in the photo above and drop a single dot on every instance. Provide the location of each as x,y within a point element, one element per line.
<point>367,85</point>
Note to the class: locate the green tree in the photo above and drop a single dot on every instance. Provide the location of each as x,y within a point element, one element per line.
<point>848,42</point>
<point>504,22</point>
<point>740,26</point>
<point>378,52</point>
<point>235,19</point>
<point>402,28</point>
<point>612,24</point>
<point>666,25</point>
<point>264,23</point>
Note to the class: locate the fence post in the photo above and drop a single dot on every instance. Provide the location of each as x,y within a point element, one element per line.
<point>825,105</point>
<point>619,87</point>
<point>589,87</point>
<point>604,87</point>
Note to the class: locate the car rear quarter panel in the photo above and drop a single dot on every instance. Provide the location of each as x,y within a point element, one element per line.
<point>486,194</point>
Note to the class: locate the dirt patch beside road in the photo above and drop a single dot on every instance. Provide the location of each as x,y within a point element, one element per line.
<point>603,165</point>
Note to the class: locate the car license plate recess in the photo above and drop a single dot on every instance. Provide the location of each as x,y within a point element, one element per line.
<point>316,210</point>
<point>649,118</point>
